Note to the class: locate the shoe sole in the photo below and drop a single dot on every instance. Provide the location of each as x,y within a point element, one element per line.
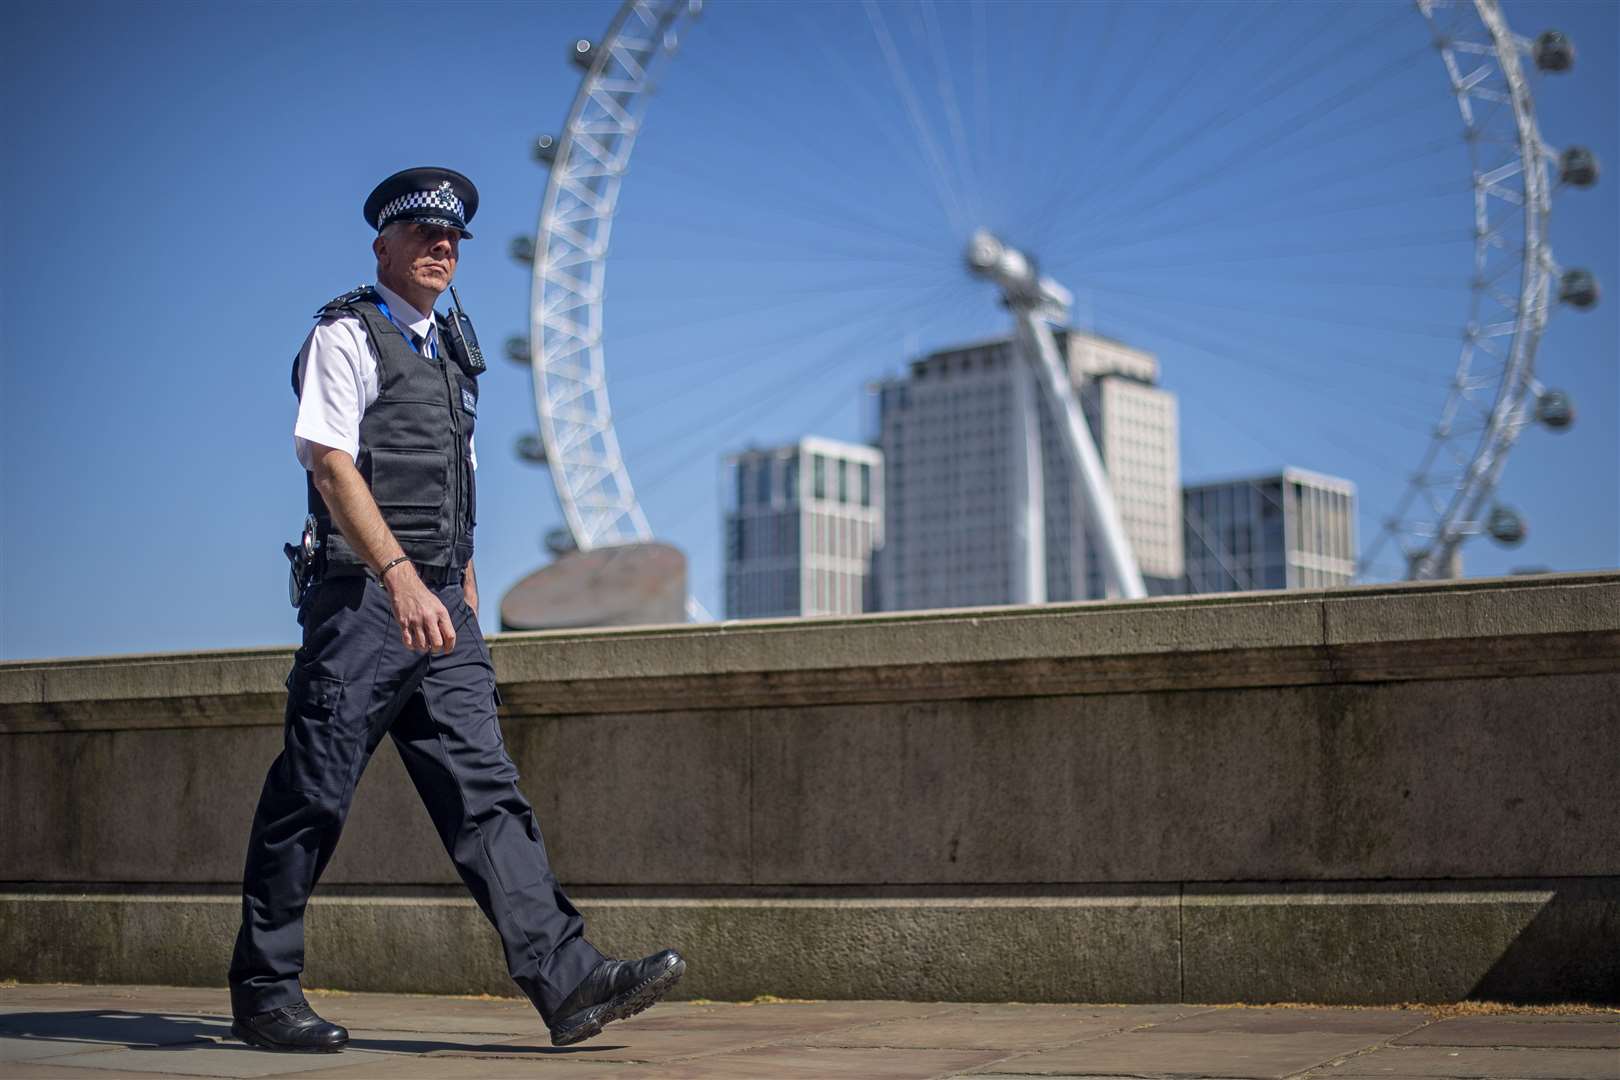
<point>253,1038</point>
<point>584,1025</point>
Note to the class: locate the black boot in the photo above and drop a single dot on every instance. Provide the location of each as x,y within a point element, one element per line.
<point>291,1027</point>
<point>614,990</point>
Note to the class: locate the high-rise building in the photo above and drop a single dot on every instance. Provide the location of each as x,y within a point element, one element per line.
<point>1289,530</point>
<point>945,430</point>
<point>801,523</point>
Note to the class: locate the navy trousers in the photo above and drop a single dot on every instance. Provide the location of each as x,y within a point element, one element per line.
<point>352,682</point>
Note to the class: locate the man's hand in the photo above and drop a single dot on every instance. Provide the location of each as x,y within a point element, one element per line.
<point>423,622</point>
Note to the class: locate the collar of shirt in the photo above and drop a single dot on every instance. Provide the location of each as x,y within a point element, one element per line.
<point>419,323</point>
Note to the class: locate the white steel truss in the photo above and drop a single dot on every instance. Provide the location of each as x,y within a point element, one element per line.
<point>570,262</point>
<point>1493,391</point>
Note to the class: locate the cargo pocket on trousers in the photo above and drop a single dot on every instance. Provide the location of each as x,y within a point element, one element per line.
<point>317,753</point>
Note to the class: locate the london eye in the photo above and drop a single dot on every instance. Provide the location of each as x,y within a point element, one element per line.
<point>1312,143</point>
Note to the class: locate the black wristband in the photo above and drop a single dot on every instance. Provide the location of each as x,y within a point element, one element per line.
<point>381,574</point>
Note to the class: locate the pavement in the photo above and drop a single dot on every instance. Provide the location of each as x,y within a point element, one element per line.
<point>97,1032</point>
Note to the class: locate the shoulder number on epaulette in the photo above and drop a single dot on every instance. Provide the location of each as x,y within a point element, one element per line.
<point>359,292</point>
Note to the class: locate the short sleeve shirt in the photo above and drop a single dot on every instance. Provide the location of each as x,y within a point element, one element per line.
<point>337,369</point>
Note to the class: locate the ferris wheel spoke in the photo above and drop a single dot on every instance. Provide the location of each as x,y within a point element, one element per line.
<point>1314,316</point>
<point>1293,188</point>
<point>715,362</point>
<point>950,201</point>
<point>809,149</point>
<point>1238,349</point>
<point>945,88</point>
<point>1246,156</point>
<point>859,326</point>
<point>1151,161</point>
<point>800,204</point>
<point>662,327</point>
<point>1227,220</point>
<point>1145,230</point>
<point>1253,253</point>
<point>755,407</point>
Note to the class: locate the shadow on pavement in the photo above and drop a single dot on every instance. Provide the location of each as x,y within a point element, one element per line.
<point>187,1031</point>
<point>429,1046</point>
<point>117,1027</point>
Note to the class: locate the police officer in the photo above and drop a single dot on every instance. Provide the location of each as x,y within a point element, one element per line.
<point>388,397</point>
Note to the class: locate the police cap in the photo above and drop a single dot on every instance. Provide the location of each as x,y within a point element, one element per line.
<point>430,195</point>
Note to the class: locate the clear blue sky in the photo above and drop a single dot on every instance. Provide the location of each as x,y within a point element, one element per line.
<point>1271,197</point>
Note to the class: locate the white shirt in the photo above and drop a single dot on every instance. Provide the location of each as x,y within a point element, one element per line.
<point>337,368</point>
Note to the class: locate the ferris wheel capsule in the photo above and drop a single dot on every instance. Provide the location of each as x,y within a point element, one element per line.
<point>582,52</point>
<point>1553,51</point>
<point>1506,526</point>
<point>1578,289</point>
<point>1578,167</point>
<point>545,149</point>
<point>521,249</point>
<point>517,349</point>
<point>531,449</point>
<point>1555,410</point>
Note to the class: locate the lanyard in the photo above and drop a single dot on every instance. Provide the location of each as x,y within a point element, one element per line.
<point>411,336</point>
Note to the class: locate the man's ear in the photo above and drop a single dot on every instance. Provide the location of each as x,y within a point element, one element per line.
<point>378,246</point>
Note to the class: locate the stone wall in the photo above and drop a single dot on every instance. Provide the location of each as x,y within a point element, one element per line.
<point>1371,794</point>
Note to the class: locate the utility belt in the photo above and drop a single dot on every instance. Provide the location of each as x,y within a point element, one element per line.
<point>437,576</point>
<point>309,566</point>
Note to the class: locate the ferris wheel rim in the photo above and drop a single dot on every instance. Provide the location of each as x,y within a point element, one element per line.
<point>569,261</point>
<point>1429,548</point>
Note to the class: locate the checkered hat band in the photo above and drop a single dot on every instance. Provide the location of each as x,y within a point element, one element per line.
<point>438,199</point>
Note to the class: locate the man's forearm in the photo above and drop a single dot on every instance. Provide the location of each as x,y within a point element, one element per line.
<point>469,587</point>
<point>354,510</point>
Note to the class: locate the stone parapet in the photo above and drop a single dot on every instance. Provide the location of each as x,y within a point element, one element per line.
<point>1463,733</point>
<point>1309,942</point>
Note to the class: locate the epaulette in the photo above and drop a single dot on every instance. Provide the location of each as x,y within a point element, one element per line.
<point>337,304</point>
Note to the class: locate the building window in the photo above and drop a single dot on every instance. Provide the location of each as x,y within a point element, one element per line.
<point>763,477</point>
<point>866,485</point>
<point>818,476</point>
<point>843,481</point>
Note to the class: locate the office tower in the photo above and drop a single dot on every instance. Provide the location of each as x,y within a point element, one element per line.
<point>1291,530</point>
<point>801,523</point>
<point>945,430</point>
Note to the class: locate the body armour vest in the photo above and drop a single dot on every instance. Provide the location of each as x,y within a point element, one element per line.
<point>413,447</point>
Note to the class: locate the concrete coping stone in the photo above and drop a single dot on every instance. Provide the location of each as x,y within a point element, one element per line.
<point>1380,617</point>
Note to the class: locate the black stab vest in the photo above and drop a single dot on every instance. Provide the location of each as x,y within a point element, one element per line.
<point>413,448</point>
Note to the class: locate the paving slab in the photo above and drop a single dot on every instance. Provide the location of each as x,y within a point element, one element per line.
<point>423,1043</point>
<point>1238,1054</point>
<point>51,1070</point>
<point>1410,1062</point>
<point>422,1012</point>
<point>1594,1032</point>
<point>96,1033</point>
<point>1010,1028</point>
<point>15,1051</point>
<point>1375,1024</point>
<point>823,1063</point>
<point>212,1059</point>
<point>688,1031</point>
<point>439,1068</point>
